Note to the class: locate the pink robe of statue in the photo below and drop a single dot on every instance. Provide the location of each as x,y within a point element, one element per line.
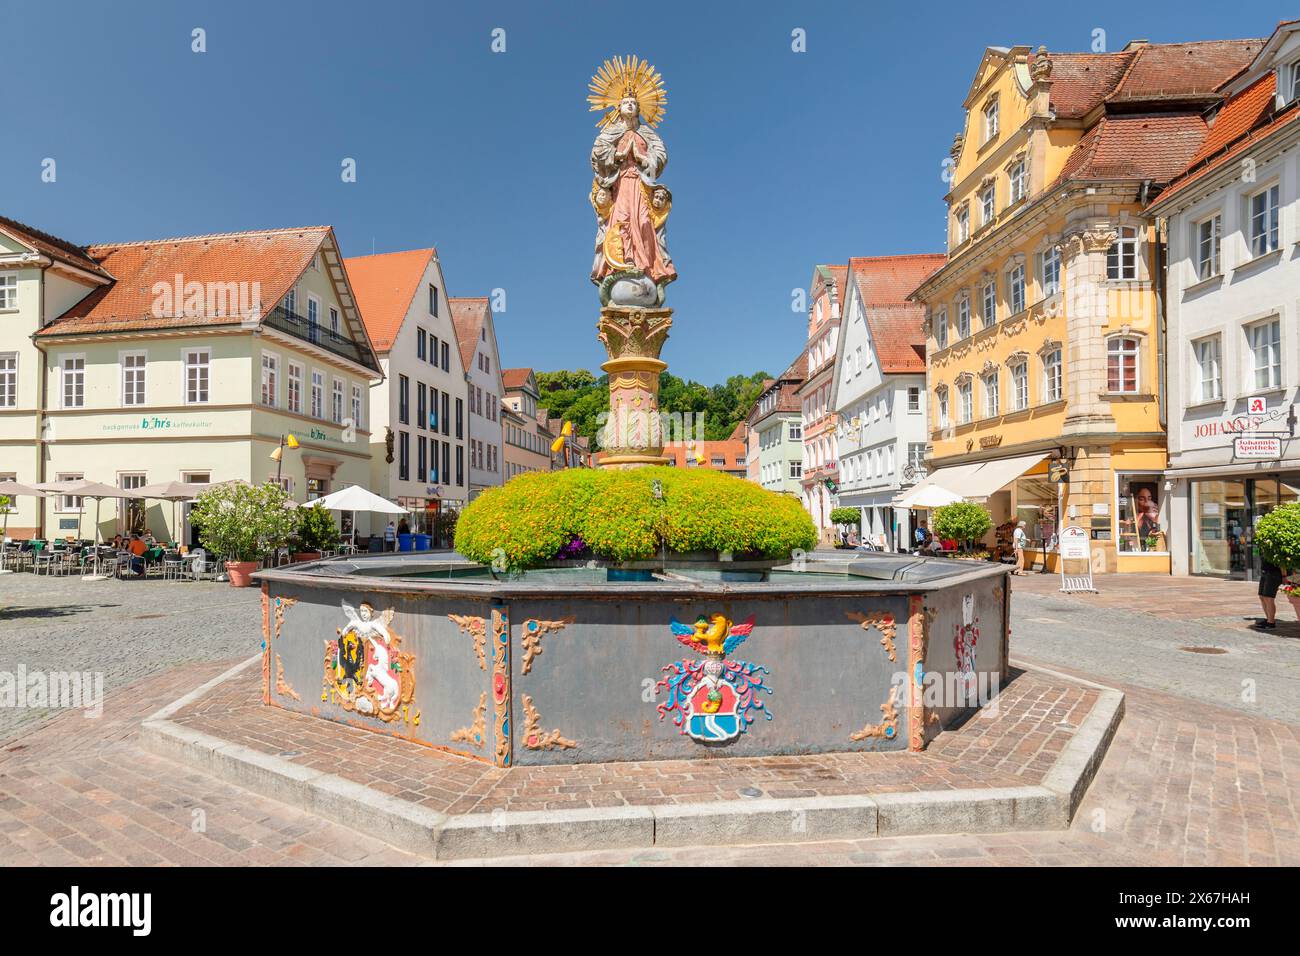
<point>630,215</point>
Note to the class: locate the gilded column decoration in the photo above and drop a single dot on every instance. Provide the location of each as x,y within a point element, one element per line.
<point>632,338</point>
<point>282,686</point>
<point>266,646</point>
<point>919,619</point>
<point>532,637</point>
<point>883,622</point>
<point>476,628</point>
<point>281,604</point>
<point>475,732</point>
<point>503,750</point>
<point>534,739</point>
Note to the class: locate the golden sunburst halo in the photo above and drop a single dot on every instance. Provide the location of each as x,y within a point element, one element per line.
<point>623,76</point>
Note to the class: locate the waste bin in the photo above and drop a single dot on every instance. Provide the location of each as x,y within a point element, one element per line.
<point>405,542</point>
<point>376,544</point>
<point>423,542</point>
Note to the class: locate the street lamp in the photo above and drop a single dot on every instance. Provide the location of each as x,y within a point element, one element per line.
<point>286,441</point>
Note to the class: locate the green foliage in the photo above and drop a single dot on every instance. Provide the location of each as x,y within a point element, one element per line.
<point>962,520</point>
<point>1277,535</point>
<point>243,522</point>
<point>615,512</point>
<point>846,516</point>
<point>580,397</point>
<point>316,530</point>
<point>4,503</point>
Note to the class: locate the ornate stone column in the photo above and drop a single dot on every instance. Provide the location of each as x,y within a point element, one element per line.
<point>1087,300</point>
<point>633,337</point>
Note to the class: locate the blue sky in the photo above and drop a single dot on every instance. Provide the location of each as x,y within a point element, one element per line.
<point>777,160</point>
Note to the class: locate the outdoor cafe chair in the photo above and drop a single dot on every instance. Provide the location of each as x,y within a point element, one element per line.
<point>173,566</point>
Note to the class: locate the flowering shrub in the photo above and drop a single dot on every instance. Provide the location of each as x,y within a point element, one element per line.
<point>616,515</point>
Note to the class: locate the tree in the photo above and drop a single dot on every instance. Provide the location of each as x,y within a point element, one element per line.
<point>316,530</point>
<point>963,521</point>
<point>846,516</point>
<point>243,522</point>
<point>1277,535</point>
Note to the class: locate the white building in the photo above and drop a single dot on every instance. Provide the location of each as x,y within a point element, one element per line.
<point>878,392</point>
<point>418,427</point>
<point>1232,304</point>
<point>476,333</point>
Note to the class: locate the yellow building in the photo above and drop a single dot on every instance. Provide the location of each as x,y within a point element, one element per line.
<point>181,359</point>
<point>1044,341</point>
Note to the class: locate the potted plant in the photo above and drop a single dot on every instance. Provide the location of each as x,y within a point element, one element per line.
<point>963,521</point>
<point>242,523</point>
<point>316,532</point>
<point>1277,536</point>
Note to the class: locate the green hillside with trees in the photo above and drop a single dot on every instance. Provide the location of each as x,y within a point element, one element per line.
<point>580,397</point>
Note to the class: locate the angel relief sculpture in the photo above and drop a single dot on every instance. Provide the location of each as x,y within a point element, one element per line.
<point>365,671</point>
<point>632,265</point>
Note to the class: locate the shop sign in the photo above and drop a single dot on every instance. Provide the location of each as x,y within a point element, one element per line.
<point>1074,544</point>
<point>1256,405</point>
<point>156,423</point>
<point>1257,448</point>
<point>1058,472</point>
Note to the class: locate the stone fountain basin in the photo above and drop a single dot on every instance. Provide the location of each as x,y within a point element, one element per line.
<point>560,665</point>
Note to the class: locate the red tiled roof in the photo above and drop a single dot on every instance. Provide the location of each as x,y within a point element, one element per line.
<point>705,451</point>
<point>468,316</point>
<point>1180,70</point>
<point>513,378</point>
<point>884,283</point>
<point>1240,114</point>
<point>273,258</point>
<point>1155,146</point>
<point>1249,132</point>
<point>52,246</point>
<point>384,285</point>
<point>1080,81</point>
<point>889,280</point>
<point>798,368</point>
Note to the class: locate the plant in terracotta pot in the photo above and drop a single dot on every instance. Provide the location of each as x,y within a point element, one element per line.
<point>316,532</point>
<point>1277,536</point>
<point>242,523</point>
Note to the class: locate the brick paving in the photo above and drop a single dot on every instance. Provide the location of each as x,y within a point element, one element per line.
<point>1016,746</point>
<point>80,792</point>
<point>1186,781</point>
<point>1183,784</point>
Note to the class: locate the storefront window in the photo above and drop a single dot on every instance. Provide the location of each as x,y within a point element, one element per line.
<point>1221,521</point>
<point>1036,507</point>
<point>1142,526</point>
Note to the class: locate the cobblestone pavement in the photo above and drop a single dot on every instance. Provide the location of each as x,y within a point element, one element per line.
<point>124,630</point>
<point>1195,775</point>
<point>1139,629</point>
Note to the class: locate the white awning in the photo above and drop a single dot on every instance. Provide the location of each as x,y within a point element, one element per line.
<point>993,476</point>
<point>973,482</point>
<point>944,479</point>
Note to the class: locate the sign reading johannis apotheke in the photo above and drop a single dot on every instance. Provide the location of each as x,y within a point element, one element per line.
<point>1257,447</point>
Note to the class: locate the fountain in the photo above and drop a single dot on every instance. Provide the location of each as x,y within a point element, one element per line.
<point>510,654</point>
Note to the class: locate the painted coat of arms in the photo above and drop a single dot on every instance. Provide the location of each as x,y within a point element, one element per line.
<point>365,672</point>
<point>713,700</point>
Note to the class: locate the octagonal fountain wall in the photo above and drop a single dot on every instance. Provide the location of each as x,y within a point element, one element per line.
<point>564,666</point>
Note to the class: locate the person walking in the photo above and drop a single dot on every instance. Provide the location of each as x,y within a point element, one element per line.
<point>390,537</point>
<point>1019,539</point>
<point>1270,580</point>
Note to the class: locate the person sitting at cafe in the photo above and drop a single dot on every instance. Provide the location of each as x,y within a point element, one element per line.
<point>117,542</point>
<point>137,547</point>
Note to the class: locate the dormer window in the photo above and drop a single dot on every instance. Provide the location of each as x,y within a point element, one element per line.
<point>1295,82</point>
<point>991,121</point>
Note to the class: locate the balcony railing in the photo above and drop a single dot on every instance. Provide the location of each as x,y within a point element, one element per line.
<point>302,328</point>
